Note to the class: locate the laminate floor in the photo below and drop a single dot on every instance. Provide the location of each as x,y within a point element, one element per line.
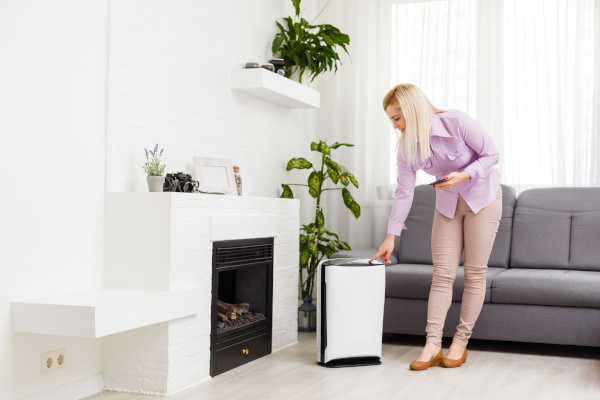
<point>494,370</point>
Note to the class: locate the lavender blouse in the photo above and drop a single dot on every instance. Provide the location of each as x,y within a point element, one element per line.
<point>459,143</point>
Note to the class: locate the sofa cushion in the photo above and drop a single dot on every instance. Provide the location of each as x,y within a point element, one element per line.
<point>415,241</point>
<point>413,281</point>
<point>549,287</point>
<point>500,256</point>
<point>557,228</point>
<point>364,253</point>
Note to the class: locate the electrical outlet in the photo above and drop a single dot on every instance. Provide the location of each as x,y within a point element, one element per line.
<point>53,360</point>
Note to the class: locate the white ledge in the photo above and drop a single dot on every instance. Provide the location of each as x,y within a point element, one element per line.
<point>274,88</point>
<point>94,314</point>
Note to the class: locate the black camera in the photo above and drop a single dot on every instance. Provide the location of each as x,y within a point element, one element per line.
<point>180,182</point>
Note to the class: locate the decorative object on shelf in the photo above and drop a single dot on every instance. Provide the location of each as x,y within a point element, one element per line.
<point>252,65</point>
<point>278,63</point>
<point>238,179</point>
<point>282,71</point>
<point>215,175</point>
<point>268,67</point>
<point>180,182</point>
<point>305,47</point>
<point>154,170</point>
<point>307,315</point>
<point>316,241</point>
<point>171,184</point>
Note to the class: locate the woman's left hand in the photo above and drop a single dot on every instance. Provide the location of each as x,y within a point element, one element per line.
<point>454,178</point>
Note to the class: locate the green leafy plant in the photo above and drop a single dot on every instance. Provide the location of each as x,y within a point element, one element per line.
<point>307,47</point>
<point>316,241</point>
<point>152,166</point>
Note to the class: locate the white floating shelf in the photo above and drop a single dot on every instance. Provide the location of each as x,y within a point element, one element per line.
<point>274,88</point>
<point>99,313</point>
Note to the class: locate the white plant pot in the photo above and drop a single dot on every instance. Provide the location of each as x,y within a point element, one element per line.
<point>295,74</point>
<point>155,183</point>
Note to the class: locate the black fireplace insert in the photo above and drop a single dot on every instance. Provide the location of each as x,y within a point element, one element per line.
<point>242,302</point>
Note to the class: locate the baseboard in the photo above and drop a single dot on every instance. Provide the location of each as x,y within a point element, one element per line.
<point>71,391</point>
<point>284,347</point>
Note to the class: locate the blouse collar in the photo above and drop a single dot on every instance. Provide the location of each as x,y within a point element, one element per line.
<point>437,128</point>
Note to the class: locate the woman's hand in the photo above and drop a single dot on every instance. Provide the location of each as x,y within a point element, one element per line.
<point>454,178</point>
<point>385,249</point>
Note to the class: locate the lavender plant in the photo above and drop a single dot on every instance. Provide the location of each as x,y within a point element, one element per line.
<point>152,166</point>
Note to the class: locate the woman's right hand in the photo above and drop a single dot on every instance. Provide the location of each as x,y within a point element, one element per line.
<point>385,249</point>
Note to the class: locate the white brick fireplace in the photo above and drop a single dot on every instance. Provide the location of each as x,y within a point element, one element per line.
<point>163,242</point>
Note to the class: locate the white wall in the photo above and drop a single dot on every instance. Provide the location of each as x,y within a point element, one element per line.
<point>52,122</point>
<point>169,83</point>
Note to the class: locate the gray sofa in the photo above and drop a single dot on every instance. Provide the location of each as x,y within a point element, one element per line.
<point>543,277</point>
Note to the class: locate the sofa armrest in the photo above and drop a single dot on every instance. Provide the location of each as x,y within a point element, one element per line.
<point>364,253</point>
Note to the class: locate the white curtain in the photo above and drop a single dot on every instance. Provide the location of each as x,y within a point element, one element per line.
<point>434,46</point>
<point>351,112</point>
<point>549,105</point>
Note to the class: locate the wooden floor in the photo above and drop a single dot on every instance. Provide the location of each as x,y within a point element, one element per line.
<point>494,370</point>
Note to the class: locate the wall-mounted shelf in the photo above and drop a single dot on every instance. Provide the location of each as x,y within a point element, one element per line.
<point>99,313</point>
<point>274,88</point>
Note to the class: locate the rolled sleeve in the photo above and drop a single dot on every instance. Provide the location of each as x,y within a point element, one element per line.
<point>473,134</point>
<point>402,199</point>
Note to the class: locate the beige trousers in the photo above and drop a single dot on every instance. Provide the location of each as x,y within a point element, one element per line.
<point>475,233</point>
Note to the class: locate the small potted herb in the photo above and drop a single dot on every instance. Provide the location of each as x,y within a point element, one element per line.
<point>154,169</point>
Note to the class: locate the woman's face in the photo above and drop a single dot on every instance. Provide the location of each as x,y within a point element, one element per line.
<point>397,118</point>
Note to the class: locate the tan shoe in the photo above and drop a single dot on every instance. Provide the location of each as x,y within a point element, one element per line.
<point>450,363</point>
<point>422,365</point>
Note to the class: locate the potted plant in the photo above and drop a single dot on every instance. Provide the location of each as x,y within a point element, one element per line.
<point>154,169</point>
<point>316,241</point>
<point>305,47</point>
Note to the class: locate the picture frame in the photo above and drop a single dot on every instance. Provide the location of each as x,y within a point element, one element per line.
<point>215,175</point>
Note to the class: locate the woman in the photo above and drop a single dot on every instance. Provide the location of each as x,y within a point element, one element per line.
<point>452,146</point>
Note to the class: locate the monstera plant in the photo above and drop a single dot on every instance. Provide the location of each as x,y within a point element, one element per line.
<point>316,241</point>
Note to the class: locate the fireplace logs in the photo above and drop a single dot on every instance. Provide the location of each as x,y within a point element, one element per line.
<point>231,311</point>
<point>231,316</point>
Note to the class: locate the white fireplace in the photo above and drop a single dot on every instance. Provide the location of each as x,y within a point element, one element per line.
<point>163,242</point>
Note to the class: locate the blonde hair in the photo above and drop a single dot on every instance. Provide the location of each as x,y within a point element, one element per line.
<point>418,112</point>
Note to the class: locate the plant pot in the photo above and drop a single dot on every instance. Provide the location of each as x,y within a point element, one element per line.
<point>296,73</point>
<point>155,183</point>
